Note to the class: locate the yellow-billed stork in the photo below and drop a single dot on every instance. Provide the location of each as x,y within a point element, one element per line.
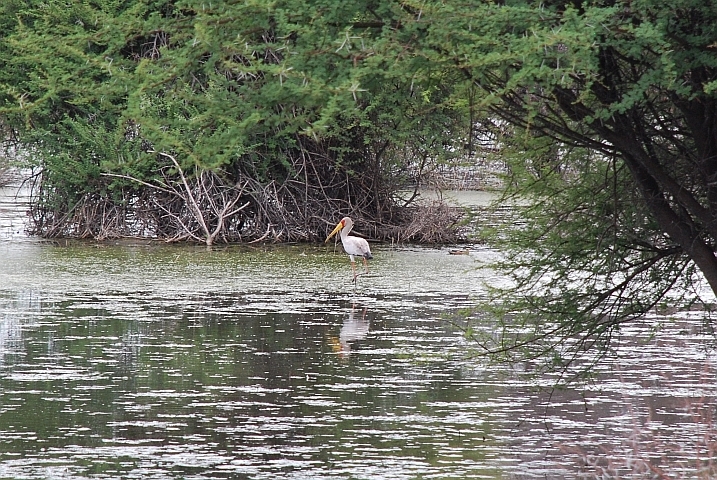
<point>354,246</point>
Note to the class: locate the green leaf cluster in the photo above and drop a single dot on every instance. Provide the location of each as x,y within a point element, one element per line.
<point>241,88</point>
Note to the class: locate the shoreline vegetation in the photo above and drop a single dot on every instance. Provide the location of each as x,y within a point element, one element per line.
<point>430,219</point>
<point>208,209</point>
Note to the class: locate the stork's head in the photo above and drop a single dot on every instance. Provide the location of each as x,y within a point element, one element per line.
<point>345,222</point>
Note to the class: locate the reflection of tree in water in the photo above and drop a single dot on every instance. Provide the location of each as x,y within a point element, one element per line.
<point>354,329</point>
<point>655,449</point>
<point>12,323</point>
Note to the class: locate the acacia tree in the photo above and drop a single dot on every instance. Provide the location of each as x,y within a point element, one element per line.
<point>613,141</point>
<point>217,121</point>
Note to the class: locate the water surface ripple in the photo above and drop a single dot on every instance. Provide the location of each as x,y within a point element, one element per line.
<point>159,362</point>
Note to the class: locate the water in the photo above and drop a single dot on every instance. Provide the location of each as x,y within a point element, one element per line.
<point>164,362</point>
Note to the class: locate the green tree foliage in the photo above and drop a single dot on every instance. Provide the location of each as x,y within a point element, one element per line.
<point>302,111</point>
<point>612,148</point>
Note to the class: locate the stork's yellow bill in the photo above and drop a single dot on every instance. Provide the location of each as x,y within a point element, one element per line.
<point>336,229</point>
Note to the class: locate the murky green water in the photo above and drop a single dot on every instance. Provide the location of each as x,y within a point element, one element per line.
<point>141,361</point>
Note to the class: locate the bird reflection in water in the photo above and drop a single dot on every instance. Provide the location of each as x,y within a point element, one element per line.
<point>354,329</point>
